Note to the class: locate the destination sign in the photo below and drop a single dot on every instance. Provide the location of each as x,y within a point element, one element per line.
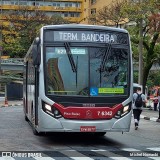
<point>87,36</point>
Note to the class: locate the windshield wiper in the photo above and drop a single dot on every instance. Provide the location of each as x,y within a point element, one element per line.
<point>70,57</point>
<point>105,57</point>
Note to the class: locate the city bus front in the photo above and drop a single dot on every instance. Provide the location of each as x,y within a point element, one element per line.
<point>87,81</point>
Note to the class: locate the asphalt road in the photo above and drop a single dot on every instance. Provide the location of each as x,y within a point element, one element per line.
<point>16,135</point>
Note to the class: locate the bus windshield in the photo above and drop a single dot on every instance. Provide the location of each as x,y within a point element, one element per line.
<point>87,71</point>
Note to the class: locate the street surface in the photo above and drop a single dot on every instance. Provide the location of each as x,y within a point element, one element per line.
<point>16,137</point>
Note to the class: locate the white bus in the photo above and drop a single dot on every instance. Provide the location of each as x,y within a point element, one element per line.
<point>74,80</point>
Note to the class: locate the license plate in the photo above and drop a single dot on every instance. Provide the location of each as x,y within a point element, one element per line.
<point>87,128</point>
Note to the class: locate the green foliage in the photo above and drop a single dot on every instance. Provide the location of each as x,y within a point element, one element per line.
<point>137,10</point>
<point>110,15</point>
<point>133,31</point>
<point>153,79</point>
<point>135,77</point>
<point>23,26</point>
<point>150,18</point>
<point>145,12</point>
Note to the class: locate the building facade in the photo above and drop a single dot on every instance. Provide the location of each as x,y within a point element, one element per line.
<point>92,7</point>
<point>71,10</point>
<point>76,11</point>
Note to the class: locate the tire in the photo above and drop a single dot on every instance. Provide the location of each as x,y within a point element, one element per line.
<point>26,118</point>
<point>36,133</point>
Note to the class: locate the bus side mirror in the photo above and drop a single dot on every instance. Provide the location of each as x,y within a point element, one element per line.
<point>36,54</point>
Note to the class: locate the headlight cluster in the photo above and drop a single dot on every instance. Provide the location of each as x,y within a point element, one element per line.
<point>122,112</point>
<point>51,110</point>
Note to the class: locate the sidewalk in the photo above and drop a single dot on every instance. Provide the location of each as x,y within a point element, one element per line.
<point>11,103</point>
<point>149,114</point>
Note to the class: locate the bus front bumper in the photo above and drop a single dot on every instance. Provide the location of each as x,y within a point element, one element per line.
<point>50,124</point>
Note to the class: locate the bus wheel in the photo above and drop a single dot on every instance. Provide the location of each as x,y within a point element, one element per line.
<point>99,134</point>
<point>35,132</point>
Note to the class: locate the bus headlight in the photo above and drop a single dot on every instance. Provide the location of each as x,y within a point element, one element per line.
<point>51,110</point>
<point>123,111</point>
<point>48,107</point>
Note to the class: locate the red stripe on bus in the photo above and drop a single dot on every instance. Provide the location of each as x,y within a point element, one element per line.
<point>73,112</point>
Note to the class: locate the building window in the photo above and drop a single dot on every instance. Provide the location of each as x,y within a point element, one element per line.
<point>93,10</point>
<point>93,1</point>
<point>58,5</point>
<point>72,15</point>
<point>22,3</point>
<point>66,4</point>
<point>77,4</point>
<point>65,14</point>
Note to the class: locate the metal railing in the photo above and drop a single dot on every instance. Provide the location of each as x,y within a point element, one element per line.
<point>15,61</point>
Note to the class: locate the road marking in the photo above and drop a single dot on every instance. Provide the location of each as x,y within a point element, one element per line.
<point>111,154</point>
<point>130,149</point>
<point>154,149</point>
<point>75,155</point>
<point>6,158</point>
<point>136,150</point>
<point>82,158</point>
<point>98,150</point>
<point>154,158</point>
<point>43,158</point>
<point>120,158</point>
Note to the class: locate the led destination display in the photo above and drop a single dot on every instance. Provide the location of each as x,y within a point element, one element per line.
<point>86,36</point>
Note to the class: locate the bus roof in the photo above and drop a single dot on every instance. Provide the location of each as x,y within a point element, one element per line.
<point>84,26</point>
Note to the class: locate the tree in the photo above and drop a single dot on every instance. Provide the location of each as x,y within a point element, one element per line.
<point>144,17</point>
<point>110,15</point>
<point>153,79</point>
<point>23,26</point>
<point>151,29</point>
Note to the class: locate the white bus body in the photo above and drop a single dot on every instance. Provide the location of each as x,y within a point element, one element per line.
<point>71,80</point>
